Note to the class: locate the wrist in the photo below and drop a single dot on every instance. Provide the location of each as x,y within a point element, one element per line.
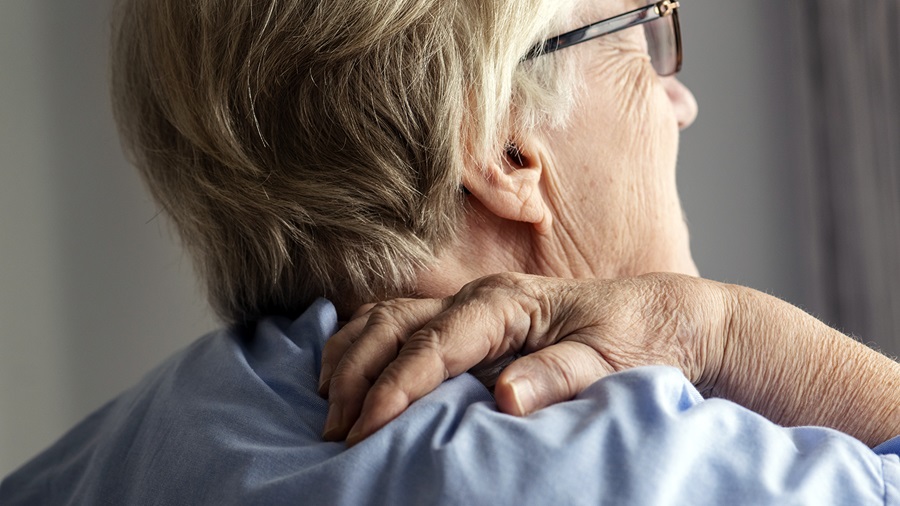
<point>759,338</point>
<point>713,349</point>
<point>695,314</point>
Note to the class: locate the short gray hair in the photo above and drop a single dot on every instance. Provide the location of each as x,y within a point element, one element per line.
<point>315,148</point>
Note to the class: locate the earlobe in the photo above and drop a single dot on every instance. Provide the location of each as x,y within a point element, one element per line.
<point>511,187</point>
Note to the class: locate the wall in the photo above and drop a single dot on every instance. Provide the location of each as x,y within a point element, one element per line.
<point>93,290</point>
<point>736,169</point>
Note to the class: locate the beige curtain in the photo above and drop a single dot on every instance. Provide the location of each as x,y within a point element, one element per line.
<point>849,80</point>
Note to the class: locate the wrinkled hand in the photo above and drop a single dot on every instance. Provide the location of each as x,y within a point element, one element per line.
<point>569,334</point>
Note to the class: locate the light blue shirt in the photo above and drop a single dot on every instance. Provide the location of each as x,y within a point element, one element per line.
<point>235,419</point>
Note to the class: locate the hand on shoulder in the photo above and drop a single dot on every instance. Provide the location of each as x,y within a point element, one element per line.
<point>556,337</point>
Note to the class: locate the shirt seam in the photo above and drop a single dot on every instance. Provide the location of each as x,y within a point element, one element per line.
<point>886,486</point>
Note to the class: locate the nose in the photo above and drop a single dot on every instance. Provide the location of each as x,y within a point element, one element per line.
<point>683,102</point>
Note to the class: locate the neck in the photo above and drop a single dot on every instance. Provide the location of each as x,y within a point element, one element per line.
<point>487,245</point>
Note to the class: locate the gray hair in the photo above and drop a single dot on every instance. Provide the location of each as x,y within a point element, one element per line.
<point>315,148</point>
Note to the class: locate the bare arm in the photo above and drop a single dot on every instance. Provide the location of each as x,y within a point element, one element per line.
<point>795,370</point>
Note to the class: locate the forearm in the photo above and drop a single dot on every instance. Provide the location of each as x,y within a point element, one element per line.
<point>795,370</point>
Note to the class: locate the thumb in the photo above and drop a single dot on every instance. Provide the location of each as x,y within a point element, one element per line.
<point>549,376</point>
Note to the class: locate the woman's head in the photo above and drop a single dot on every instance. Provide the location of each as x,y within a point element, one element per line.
<point>309,148</point>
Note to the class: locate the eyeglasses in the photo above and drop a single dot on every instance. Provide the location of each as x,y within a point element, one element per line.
<point>661,27</point>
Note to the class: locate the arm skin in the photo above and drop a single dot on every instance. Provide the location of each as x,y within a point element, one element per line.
<point>730,341</point>
<point>795,370</point>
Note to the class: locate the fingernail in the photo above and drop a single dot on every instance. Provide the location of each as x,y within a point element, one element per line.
<point>333,423</point>
<point>354,436</point>
<point>324,377</point>
<point>523,394</point>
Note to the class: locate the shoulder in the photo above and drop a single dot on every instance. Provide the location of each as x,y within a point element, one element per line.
<point>645,436</point>
<point>192,428</point>
<point>235,419</point>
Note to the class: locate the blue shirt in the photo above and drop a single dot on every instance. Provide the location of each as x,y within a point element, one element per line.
<point>235,419</point>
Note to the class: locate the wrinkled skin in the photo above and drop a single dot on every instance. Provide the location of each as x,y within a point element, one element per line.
<point>569,334</point>
<point>730,341</point>
<point>591,208</point>
<point>594,199</point>
<point>613,192</point>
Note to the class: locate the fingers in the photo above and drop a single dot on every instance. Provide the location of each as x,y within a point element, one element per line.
<point>400,351</point>
<point>452,342</point>
<point>419,368</point>
<point>365,347</point>
<point>470,332</point>
<point>363,310</point>
<point>336,347</point>
<point>549,376</point>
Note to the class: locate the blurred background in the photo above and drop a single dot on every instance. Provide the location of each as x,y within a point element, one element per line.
<point>789,179</point>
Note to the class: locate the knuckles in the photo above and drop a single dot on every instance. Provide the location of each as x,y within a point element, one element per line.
<point>391,319</point>
<point>501,290</point>
<point>489,286</point>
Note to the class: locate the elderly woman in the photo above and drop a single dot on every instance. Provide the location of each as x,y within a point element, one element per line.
<point>319,155</point>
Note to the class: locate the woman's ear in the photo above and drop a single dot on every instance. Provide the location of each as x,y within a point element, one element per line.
<point>510,186</point>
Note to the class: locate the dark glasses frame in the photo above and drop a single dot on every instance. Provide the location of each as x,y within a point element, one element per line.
<point>651,12</point>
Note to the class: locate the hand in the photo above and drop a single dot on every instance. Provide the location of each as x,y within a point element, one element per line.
<point>569,333</point>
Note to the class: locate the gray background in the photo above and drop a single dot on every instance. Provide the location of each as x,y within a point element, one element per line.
<point>94,290</point>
